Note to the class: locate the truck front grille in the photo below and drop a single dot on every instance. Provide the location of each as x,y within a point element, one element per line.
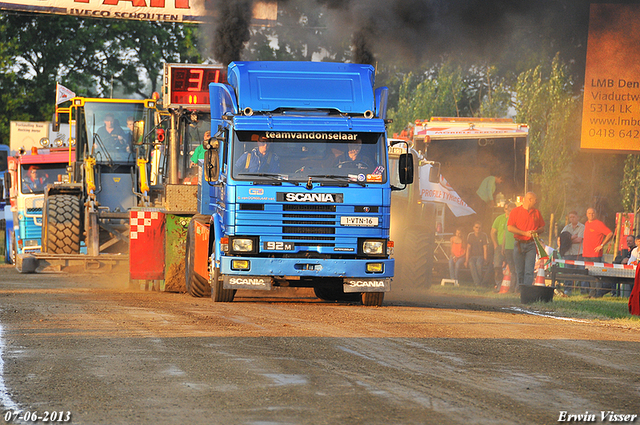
<point>309,230</point>
<point>300,207</point>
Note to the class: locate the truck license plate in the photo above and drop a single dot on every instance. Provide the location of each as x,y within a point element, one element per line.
<point>359,221</point>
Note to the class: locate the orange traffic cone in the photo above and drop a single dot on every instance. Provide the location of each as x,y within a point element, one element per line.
<point>540,278</point>
<point>506,281</point>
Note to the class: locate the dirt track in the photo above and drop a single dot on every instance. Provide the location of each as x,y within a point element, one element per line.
<point>111,355</point>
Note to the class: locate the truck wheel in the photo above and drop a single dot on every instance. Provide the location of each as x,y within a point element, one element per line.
<point>372,299</point>
<point>196,285</point>
<point>64,224</point>
<point>325,293</point>
<point>332,291</point>
<point>218,293</point>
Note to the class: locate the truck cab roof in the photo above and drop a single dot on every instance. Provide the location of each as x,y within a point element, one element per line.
<point>271,86</point>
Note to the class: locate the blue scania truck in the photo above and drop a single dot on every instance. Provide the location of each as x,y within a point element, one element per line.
<point>294,187</point>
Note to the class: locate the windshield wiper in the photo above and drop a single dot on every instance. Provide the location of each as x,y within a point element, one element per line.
<point>338,178</point>
<point>274,177</point>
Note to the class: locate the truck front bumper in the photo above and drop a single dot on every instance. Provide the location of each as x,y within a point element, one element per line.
<point>309,267</point>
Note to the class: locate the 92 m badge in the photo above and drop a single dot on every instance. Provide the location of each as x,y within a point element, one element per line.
<point>278,246</point>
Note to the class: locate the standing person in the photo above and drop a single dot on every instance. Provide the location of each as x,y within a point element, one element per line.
<point>576,229</point>
<point>486,192</point>
<point>458,252</point>
<point>487,189</point>
<point>525,221</point>
<point>503,243</point>
<point>198,152</point>
<point>574,244</point>
<point>476,255</point>
<point>596,236</point>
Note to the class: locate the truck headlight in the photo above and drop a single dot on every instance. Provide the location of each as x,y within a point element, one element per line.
<point>373,247</point>
<point>242,245</point>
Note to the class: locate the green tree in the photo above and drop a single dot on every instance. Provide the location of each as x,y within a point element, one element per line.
<point>89,56</point>
<point>545,101</point>
<point>630,185</point>
<point>448,91</point>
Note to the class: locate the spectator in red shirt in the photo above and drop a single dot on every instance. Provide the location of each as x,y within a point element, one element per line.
<point>596,236</point>
<point>525,221</point>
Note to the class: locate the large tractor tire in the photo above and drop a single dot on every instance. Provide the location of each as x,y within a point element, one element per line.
<point>63,229</point>
<point>372,299</point>
<point>416,267</point>
<point>197,286</point>
<point>218,293</point>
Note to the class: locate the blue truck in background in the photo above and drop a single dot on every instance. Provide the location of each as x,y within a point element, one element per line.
<point>27,176</point>
<point>294,187</point>
<point>6,219</point>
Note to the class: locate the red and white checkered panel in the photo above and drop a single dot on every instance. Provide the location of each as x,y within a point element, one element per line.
<point>140,220</point>
<point>146,245</point>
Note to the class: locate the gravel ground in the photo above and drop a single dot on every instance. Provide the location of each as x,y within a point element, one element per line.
<point>107,354</point>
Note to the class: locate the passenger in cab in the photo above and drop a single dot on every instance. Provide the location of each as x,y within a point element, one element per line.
<point>354,158</point>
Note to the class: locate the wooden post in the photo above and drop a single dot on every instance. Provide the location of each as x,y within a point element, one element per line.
<point>620,217</point>
<point>552,228</point>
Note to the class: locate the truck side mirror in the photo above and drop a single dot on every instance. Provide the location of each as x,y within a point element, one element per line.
<point>434,173</point>
<point>138,132</point>
<point>211,161</point>
<point>405,165</point>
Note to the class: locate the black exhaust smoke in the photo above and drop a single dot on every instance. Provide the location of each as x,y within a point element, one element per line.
<point>231,29</point>
<point>361,51</point>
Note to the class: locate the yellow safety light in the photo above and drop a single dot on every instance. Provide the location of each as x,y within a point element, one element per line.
<point>240,264</point>
<point>375,267</point>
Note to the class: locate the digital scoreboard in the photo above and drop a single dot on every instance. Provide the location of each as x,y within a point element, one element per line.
<point>187,85</point>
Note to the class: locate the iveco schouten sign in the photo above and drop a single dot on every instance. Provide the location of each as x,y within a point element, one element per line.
<point>309,197</point>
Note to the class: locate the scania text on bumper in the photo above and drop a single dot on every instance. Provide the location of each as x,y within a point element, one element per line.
<point>366,285</point>
<point>247,282</point>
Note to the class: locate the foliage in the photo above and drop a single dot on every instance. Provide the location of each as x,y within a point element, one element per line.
<point>631,183</point>
<point>92,57</point>
<point>544,100</point>
<point>448,91</point>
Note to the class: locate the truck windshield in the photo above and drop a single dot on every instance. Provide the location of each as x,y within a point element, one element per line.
<point>296,156</point>
<point>35,177</point>
<point>109,130</point>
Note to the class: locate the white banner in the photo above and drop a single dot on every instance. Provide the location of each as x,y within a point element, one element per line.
<point>24,134</point>
<point>442,192</point>
<point>187,11</point>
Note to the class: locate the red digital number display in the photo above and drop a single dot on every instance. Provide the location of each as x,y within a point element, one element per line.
<point>190,85</point>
